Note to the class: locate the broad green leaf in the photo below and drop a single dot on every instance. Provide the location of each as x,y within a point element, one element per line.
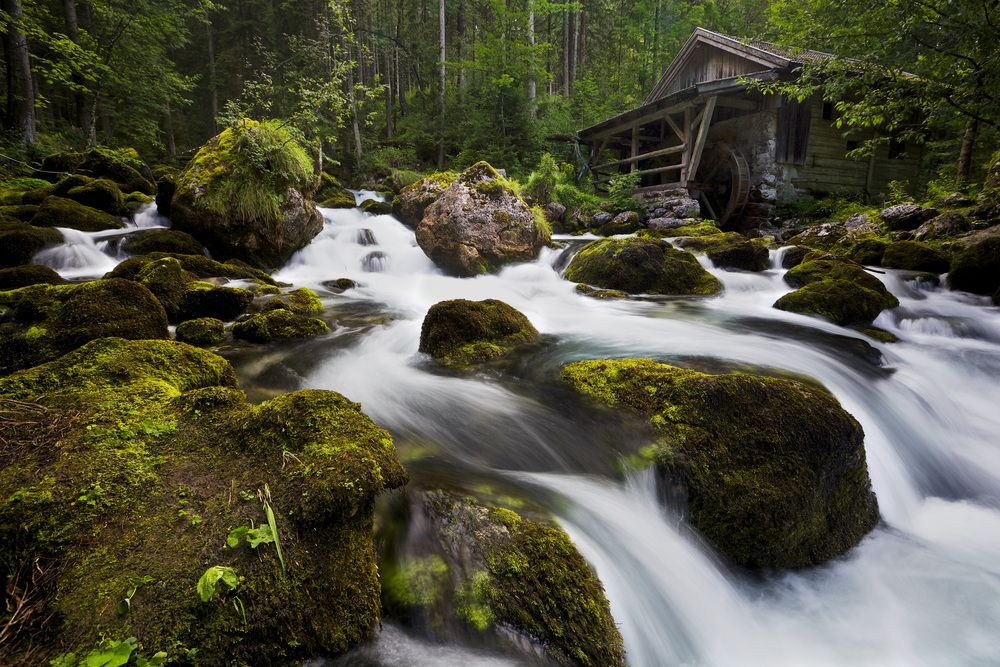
<point>258,535</point>
<point>234,536</point>
<point>208,585</point>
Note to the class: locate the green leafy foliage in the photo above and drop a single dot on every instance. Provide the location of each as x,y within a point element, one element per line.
<point>620,192</point>
<point>211,582</point>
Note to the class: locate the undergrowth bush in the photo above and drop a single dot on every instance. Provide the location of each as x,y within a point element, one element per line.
<point>266,159</point>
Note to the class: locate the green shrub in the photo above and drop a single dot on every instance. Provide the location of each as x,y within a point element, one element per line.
<point>620,192</point>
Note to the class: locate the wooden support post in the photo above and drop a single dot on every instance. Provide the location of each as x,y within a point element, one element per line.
<point>685,172</point>
<point>635,147</point>
<point>676,129</point>
<point>699,146</point>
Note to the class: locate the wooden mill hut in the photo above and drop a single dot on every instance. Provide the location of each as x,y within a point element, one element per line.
<point>708,128</point>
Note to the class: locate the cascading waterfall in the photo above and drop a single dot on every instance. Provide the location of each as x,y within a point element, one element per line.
<point>921,589</point>
<point>89,255</point>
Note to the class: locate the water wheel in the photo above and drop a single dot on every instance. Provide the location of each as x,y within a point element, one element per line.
<point>722,182</point>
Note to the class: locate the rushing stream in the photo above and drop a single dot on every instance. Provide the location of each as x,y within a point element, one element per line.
<point>922,589</point>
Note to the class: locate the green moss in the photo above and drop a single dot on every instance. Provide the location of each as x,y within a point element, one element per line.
<point>101,194</point>
<point>197,265</point>
<point>201,331</point>
<point>587,290</point>
<point>278,325</point>
<point>913,256</point>
<point>512,572</point>
<point>479,173</point>
<point>245,171</point>
<point>881,335</point>
<point>376,207</point>
<point>781,485</point>
<point>641,266</point>
<point>459,332</point>
<point>868,251</point>
<point>813,270</point>
<point>749,255</point>
<point>843,301</point>
<point>977,268</point>
<point>711,242</point>
<point>154,429</point>
<point>60,212</point>
<point>414,199</point>
<point>420,582</point>
<point>74,315</point>
<point>19,242</point>
<point>12,189</point>
<point>205,300</point>
<point>22,212</point>
<point>167,241</point>
<point>22,276</point>
<point>704,228</point>
<point>302,301</point>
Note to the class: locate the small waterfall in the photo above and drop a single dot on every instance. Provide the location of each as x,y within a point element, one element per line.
<point>80,256</point>
<point>366,237</point>
<point>375,262</point>
<point>148,217</point>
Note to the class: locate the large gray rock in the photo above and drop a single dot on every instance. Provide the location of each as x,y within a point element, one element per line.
<point>479,224</point>
<point>412,201</point>
<point>948,224</point>
<point>262,228</point>
<point>906,217</point>
<point>666,223</point>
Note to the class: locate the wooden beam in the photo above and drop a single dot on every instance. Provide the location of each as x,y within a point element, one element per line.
<point>699,145</point>
<point>644,156</point>
<point>645,172</point>
<point>642,120</point>
<point>676,129</point>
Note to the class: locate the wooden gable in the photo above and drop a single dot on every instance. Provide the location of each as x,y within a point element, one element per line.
<point>708,56</point>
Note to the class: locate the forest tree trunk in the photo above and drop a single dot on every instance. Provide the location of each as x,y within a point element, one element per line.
<point>965,154</point>
<point>20,92</point>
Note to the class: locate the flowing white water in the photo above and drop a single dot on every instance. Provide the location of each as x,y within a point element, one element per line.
<point>89,255</point>
<point>922,589</point>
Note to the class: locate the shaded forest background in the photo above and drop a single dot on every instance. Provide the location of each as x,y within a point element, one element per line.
<point>422,84</point>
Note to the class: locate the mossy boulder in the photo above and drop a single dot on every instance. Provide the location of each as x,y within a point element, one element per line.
<point>823,266</point>
<point>23,276</point>
<point>12,189</point>
<point>278,325</point>
<point>843,301</point>
<point>914,256</point>
<point>496,573</point>
<point>703,228</point>
<point>62,212</point>
<point>123,168</point>
<point>162,240</point>
<point>202,331</point>
<point>412,201</point>
<point>376,207</point>
<point>460,332</point>
<point>626,222</point>
<point>50,320</point>
<point>19,242</point>
<point>166,185</point>
<point>479,224</point>
<point>641,266</point>
<point>710,242</point>
<point>977,268</point>
<point>185,298</point>
<point>332,194</point>
<point>101,194</point>
<point>302,301</point>
<point>202,299</point>
<point>22,212</point>
<point>147,458</point>
<point>794,256</point>
<point>868,251</point>
<point>241,207</point>
<point>198,266</point>
<point>749,255</point>
<point>773,470</point>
